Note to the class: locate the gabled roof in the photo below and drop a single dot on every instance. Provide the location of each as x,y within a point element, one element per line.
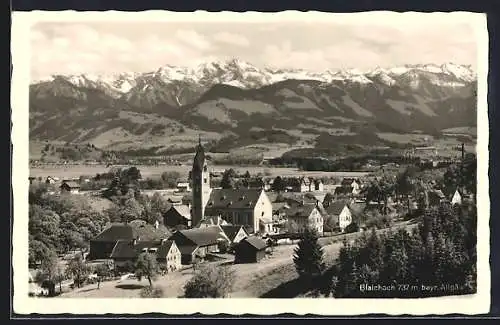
<point>130,231</point>
<point>181,209</point>
<point>301,211</point>
<point>305,180</point>
<point>71,184</point>
<point>204,236</point>
<point>164,248</point>
<point>254,242</point>
<point>232,199</point>
<point>116,232</point>
<point>126,249</point>
<point>335,208</point>
<point>231,231</point>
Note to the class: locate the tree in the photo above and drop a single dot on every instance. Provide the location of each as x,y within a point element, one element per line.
<point>146,267</point>
<point>210,282</point>
<point>379,191</point>
<point>170,178</point>
<point>44,226</point>
<point>47,277</point>
<point>102,271</point>
<point>278,184</point>
<point>154,207</point>
<point>405,184</point>
<point>78,270</point>
<point>352,227</point>
<point>227,181</point>
<point>308,256</point>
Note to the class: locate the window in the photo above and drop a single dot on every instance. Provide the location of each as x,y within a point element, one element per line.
<point>262,214</point>
<point>205,180</point>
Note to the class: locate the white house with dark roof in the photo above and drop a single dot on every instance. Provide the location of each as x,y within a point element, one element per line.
<point>241,207</point>
<point>339,215</point>
<point>304,216</point>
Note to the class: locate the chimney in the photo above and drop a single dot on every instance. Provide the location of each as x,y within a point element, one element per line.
<point>134,242</point>
<point>157,224</point>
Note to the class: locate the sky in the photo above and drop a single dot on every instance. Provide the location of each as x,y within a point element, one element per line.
<point>92,47</point>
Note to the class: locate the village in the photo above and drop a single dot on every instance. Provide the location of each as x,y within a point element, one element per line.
<point>252,224</point>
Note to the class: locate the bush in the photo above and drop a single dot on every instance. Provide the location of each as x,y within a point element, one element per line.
<point>352,227</point>
<point>223,246</point>
<point>151,292</point>
<point>210,282</point>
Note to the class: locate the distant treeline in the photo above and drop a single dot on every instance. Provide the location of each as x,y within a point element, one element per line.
<point>343,164</point>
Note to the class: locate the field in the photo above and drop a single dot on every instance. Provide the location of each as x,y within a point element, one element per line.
<point>156,171</point>
<point>251,281</point>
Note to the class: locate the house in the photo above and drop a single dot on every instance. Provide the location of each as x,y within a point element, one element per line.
<point>177,215</point>
<point>244,207</point>
<point>436,197</point>
<point>304,216</point>
<point>317,185</point>
<point>339,215</point>
<point>456,198</point>
<point>196,243</point>
<point>70,187</point>
<point>250,250</point>
<point>301,185</point>
<point>102,245</point>
<point>51,180</point>
<point>234,233</point>
<point>126,252</point>
<point>353,183</point>
<point>183,187</point>
<point>210,221</point>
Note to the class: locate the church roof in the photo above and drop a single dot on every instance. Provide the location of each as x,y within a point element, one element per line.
<point>232,199</point>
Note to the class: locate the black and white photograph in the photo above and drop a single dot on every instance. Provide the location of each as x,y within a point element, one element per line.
<point>304,155</point>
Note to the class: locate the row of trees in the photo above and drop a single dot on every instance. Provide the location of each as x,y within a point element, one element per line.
<point>439,254</point>
<point>58,224</point>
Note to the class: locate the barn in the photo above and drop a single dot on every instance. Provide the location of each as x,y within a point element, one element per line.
<point>249,250</point>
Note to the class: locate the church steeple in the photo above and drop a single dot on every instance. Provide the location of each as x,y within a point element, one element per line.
<point>200,177</point>
<point>199,158</point>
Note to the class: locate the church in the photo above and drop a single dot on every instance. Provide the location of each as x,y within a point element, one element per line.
<point>250,208</point>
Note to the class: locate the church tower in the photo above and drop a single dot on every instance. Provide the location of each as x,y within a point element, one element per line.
<point>200,178</point>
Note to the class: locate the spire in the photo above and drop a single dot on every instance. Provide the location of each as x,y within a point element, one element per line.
<point>199,158</point>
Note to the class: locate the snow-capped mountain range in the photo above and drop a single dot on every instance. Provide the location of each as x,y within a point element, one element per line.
<point>175,103</point>
<point>244,75</point>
